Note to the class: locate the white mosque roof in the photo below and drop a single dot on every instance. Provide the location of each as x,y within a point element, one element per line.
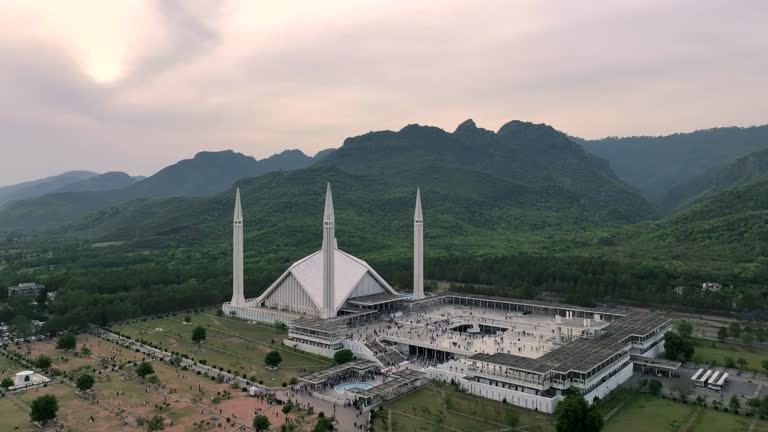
<point>348,271</point>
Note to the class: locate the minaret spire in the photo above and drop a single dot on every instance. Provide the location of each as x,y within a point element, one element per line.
<point>238,296</point>
<point>329,248</point>
<point>418,249</point>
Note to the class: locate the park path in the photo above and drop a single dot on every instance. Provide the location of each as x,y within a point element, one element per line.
<point>613,411</point>
<point>691,420</point>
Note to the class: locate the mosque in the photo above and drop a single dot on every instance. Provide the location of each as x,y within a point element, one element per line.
<point>325,284</point>
<point>525,352</point>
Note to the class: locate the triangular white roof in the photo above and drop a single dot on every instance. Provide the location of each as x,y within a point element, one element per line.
<point>348,271</point>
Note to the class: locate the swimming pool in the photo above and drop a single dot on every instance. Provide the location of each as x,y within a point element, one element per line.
<point>342,388</point>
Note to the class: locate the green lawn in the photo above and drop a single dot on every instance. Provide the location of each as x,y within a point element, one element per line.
<point>231,343</point>
<point>643,412</point>
<point>707,351</point>
<point>423,409</point>
<point>9,365</point>
<point>12,416</point>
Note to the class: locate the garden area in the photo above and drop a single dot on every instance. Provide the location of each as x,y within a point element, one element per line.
<point>235,345</point>
<point>443,406</point>
<point>632,411</point>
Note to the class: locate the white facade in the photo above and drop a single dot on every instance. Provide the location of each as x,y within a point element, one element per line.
<point>27,379</point>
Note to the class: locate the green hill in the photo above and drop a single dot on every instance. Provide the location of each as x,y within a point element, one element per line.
<point>103,182</point>
<point>206,174</point>
<point>525,153</point>
<point>40,187</point>
<point>739,173</point>
<point>654,165</point>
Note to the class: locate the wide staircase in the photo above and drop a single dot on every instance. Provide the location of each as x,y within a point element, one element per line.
<point>386,355</point>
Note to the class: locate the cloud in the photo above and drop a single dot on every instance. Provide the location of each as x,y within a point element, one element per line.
<point>138,85</point>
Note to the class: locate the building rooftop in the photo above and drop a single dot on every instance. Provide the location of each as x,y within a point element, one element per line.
<point>583,354</point>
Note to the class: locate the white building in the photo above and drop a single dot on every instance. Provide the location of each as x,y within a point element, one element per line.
<point>324,284</point>
<point>27,379</point>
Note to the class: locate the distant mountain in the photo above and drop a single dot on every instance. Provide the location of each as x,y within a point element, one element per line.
<point>207,173</point>
<point>211,172</point>
<point>36,188</point>
<point>654,165</point>
<point>104,182</point>
<point>525,153</point>
<point>483,193</point>
<point>323,153</point>
<point>742,172</point>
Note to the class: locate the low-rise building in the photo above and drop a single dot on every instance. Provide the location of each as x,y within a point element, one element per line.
<point>27,289</point>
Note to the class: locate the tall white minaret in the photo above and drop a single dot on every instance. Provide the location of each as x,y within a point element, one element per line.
<point>329,246</point>
<point>238,297</point>
<point>418,250</point>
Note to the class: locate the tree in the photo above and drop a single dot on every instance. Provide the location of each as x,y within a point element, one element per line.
<point>654,387</point>
<point>741,362</point>
<point>42,362</point>
<point>343,356</point>
<point>6,383</point>
<point>685,329</point>
<point>764,364</point>
<point>734,330</point>
<point>44,409</point>
<point>187,319</point>
<point>677,347</point>
<point>66,342</point>
<point>85,352</point>
<point>682,390</point>
<point>323,424</point>
<point>155,423</point>
<point>574,414</point>
<point>198,334</point>
<point>261,423</point>
<point>754,405</point>
<point>273,359</point>
<point>85,382</point>
<point>143,369</point>
<point>722,333</point>
<point>760,334</point>
<point>734,404</point>
<point>747,338</point>
<point>728,362</point>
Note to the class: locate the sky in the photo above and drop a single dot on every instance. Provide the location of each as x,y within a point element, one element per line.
<point>134,85</point>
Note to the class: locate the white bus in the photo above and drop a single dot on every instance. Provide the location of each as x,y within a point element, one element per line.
<point>717,386</point>
<point>697,374</point>
<point>702,382</point>
<point>713,378</point>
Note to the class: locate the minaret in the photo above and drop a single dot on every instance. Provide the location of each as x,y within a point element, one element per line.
<point>329,246</point>
<point>418,250</point>
<point>238,297</point>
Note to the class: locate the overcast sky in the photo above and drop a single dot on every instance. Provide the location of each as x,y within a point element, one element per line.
<point>137,85</point>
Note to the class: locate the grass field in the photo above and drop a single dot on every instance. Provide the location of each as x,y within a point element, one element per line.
<point>707,351</point>
<point>233,344</point>
<point>436,404</point>
<point>642,412</point>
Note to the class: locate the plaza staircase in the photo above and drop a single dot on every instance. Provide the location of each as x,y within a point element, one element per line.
<point>388,356</point>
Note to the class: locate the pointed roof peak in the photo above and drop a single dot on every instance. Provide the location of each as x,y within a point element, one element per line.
<point>238,208</point>
<point>328,216</point>
<point>417,215</point>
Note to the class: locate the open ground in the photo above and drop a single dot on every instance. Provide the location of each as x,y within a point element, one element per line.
<point>184,398</point>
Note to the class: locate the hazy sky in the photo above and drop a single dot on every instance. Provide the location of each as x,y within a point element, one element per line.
<point>136,85</point>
